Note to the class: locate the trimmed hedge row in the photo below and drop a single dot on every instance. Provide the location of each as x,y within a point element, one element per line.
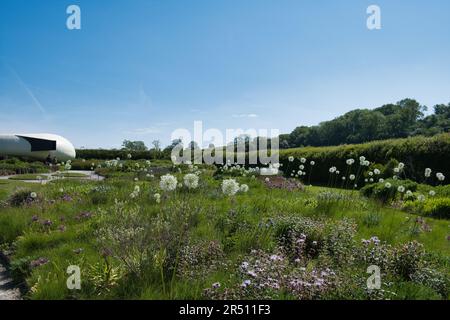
<point>417,153</point>
<point>103,154</point>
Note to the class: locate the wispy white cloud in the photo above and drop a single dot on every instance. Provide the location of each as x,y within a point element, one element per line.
<point>143,131</point>
<point>30,93</point>
<point>245,115</point>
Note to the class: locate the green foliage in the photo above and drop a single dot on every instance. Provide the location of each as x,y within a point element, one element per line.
<point>134,145</point>
<point>400,120</point>
<point>16,166</point>
<point>381,192</point>
<point>175,248</point>
<point>437,207</point>
<point>417,153</point>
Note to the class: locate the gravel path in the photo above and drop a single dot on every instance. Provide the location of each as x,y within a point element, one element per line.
<point>90,175</point>
<point>7,289</point>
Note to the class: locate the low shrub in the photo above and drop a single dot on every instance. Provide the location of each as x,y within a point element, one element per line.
<point>387,190</point>
<point>21,196</point>
<point>437,207</point>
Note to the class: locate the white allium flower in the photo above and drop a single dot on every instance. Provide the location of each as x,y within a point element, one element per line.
<point>401,189</point>
<point>302,160</point>
<point>396,170</point>
<point>168,182</point>
<point>371,180</point>
<point>291,159</point>
<point>376,171</point>
<point>129,156</point>
<point>157,197</point>
<point>267,179</point>
<point>432,193</point>
<point>427,172</point>
<point>61,190</point>
<point>230,187</point>
<point>312,163</point>
<point>381,180</point>
<point>33,195</point>
<point>350,161</point>
<point>421,197</point>
<point>362,159</point>
<point>409,193</point>
<point>440,176</point>
<point>332,169</point>
<point>366,180</point>
<point>370,173</point>
<point>401,165</point>
<point>366,163</point>
<point>191,181</point>
<point>352,177</point>
<point>343,178</point>
<point>301,167</point>
<point>395,177</point>
<point>388,185</point>
<point>338,172</point>
<point>244,188</point>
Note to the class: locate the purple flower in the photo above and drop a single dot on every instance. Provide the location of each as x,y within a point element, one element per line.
<point>78,251</point>
<point>216,285</point>
<point>245,283</point>
<point>34,218</point>
<point>38,262</point>
<point>47,223</point>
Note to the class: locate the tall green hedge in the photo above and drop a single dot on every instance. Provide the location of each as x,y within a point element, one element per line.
<point>417,153</point>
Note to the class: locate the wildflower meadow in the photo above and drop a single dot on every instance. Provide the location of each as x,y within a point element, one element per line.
<point>152,229</point>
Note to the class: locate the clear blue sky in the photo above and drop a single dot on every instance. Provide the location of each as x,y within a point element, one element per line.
<point>139,69</point>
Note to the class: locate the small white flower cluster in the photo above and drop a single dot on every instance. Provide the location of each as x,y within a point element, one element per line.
<point>440,176</point>
<point>157,197</point>
<point>111,163</point>
<point>241,169</point>
<point>168,182</point>
<point>68,165</point>
<point>191,180</point>
<point>363,162</point>
<point>230,187</point>
<point>427,172</point>
<point>350,161</point>
<point>135,192</point>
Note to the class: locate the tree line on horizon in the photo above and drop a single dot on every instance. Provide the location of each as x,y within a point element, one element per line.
<point>400,120</point>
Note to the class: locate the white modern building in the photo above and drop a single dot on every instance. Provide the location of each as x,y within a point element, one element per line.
<point>38,146</point>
